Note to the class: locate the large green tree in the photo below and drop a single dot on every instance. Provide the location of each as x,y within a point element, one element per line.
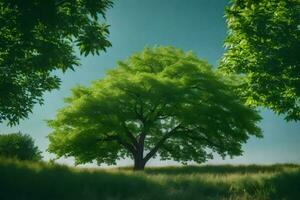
<point>264,45</point>
<point>38,37</point>
<point>161,101</point>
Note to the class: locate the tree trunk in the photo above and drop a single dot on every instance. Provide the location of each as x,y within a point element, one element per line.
<point>139,164</point>
<point>139,161</point>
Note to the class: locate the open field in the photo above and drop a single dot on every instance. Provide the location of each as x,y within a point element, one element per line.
<point>41,181</point>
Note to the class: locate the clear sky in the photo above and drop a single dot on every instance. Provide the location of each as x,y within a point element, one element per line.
<point>196,25</point>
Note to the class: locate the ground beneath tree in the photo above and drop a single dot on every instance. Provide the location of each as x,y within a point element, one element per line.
<point>35,181</point>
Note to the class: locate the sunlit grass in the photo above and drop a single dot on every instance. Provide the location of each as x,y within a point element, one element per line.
<point>26,180</point>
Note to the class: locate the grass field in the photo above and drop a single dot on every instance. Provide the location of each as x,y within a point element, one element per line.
<point>42,181</point>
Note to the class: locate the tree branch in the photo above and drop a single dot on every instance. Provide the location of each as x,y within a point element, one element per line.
<point>201,137</point>
<point>225,147</point>
<point>160,142</point>
<point>59,3</point>
<point>116,138</point>
<point>130,135</point>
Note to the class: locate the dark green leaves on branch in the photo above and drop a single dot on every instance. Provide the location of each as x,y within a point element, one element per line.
<point>38,37</point>
<point>161,101</point>
<point>264,45</point>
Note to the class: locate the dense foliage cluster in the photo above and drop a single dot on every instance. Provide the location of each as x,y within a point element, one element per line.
<point>264,45</point>
<point>36,38</point>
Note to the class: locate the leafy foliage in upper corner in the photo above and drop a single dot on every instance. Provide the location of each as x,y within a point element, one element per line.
<point>19,146</point>
<point>36,38</point>
<point>162,101</point>
<point>264,44</point>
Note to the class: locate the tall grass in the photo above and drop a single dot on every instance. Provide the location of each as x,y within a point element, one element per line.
<point>42,181</point>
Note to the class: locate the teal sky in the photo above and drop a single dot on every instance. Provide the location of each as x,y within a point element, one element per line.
<point>196,25</point>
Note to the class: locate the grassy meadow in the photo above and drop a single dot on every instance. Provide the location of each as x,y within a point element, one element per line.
<point>44,181</point>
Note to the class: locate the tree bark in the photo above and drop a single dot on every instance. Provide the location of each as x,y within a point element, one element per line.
<point>139,161</point>
<point>139,164</point>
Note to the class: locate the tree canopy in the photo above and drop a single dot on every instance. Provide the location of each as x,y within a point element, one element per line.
<point>264,44</point>
<point>38,37</point>
<point>161,101</point>
<point>19,146</point>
